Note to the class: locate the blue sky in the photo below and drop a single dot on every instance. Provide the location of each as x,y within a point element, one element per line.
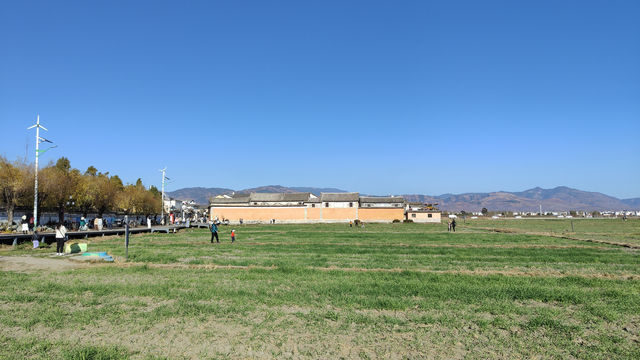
<point>381,97</point>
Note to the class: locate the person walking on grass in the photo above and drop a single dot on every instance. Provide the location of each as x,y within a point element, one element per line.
<point>449,225</point>
<point>61,234</point>
<point>214,232</point>
<point>453,225</point>
<point>233,236</point>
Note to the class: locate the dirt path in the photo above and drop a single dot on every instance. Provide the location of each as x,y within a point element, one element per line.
<point>28,264</point>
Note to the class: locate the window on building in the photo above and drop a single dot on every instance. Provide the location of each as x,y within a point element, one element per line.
<point>313,205</point>
<point>326,204</point>
<point>413,215</point>
<point>255,203</point>
<point>429,215</point>
<point>350,204</point>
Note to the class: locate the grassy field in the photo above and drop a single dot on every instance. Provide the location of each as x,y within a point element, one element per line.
<point>495,289</point>
<point>609,230</point>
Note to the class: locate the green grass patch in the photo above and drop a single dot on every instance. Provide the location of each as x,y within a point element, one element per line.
<point>328,291</point>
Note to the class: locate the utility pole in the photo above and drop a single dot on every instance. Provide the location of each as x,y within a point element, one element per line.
<point>38,151</point>
<point>163,179</point>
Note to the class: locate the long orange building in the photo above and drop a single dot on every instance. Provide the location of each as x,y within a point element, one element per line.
<point>306,208</point>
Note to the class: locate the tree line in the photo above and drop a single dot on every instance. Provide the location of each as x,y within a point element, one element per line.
<point>64,189</point>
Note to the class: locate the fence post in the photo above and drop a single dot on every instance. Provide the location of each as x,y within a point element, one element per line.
<point>126,237</point>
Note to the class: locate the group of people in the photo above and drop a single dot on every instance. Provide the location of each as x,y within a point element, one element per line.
<point>214,232</point>
<point>61,238</point>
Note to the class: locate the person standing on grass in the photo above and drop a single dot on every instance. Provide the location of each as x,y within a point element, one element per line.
<point>448,225</point>
<point>453,225</point>
<point>24,224</point>
<point>233,236</point>
<point>61,234</point>
<point>214,232</point>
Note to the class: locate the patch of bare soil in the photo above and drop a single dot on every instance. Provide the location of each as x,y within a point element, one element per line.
<point>479,272</point>
<point>533,273</point>
<point>217,337</point>
<point>28,264</point>
<point>501,246</point>
<point>194,266</point>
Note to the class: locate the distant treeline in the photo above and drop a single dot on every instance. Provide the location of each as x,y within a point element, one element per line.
<point>62,188</point>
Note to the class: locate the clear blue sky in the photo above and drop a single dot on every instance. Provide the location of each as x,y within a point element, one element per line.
<point>379,97</point>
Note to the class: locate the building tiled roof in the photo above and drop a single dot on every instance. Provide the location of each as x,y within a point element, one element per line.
<point>340,197</point>
<point>382,199</point>
<point>266,196</point>
<point>233,200</point>
<point>296,196</point>
<point>279,197</point>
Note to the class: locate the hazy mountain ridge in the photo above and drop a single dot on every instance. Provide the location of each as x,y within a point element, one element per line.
<point>633,203</point>
<point>292,189</point>
<point>561,198</point>
<point>201,195</point>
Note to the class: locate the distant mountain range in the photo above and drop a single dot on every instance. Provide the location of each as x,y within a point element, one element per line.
<point>561,198</point>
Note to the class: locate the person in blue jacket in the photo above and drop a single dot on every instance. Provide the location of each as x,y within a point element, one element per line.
<point>214,232</point>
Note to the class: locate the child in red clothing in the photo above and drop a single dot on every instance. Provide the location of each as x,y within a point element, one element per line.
<point>233,236</point>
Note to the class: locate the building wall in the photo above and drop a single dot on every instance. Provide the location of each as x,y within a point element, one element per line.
<point>381,214</point>
<point>313,214</point>
<point>382,205</point>
<point>340,204</point>
<point>277,203</point>
<point>342,214</point>
<point>301,214</point>
<point>422,217</point>
<point>263,214</point>
<point>295,214</point>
